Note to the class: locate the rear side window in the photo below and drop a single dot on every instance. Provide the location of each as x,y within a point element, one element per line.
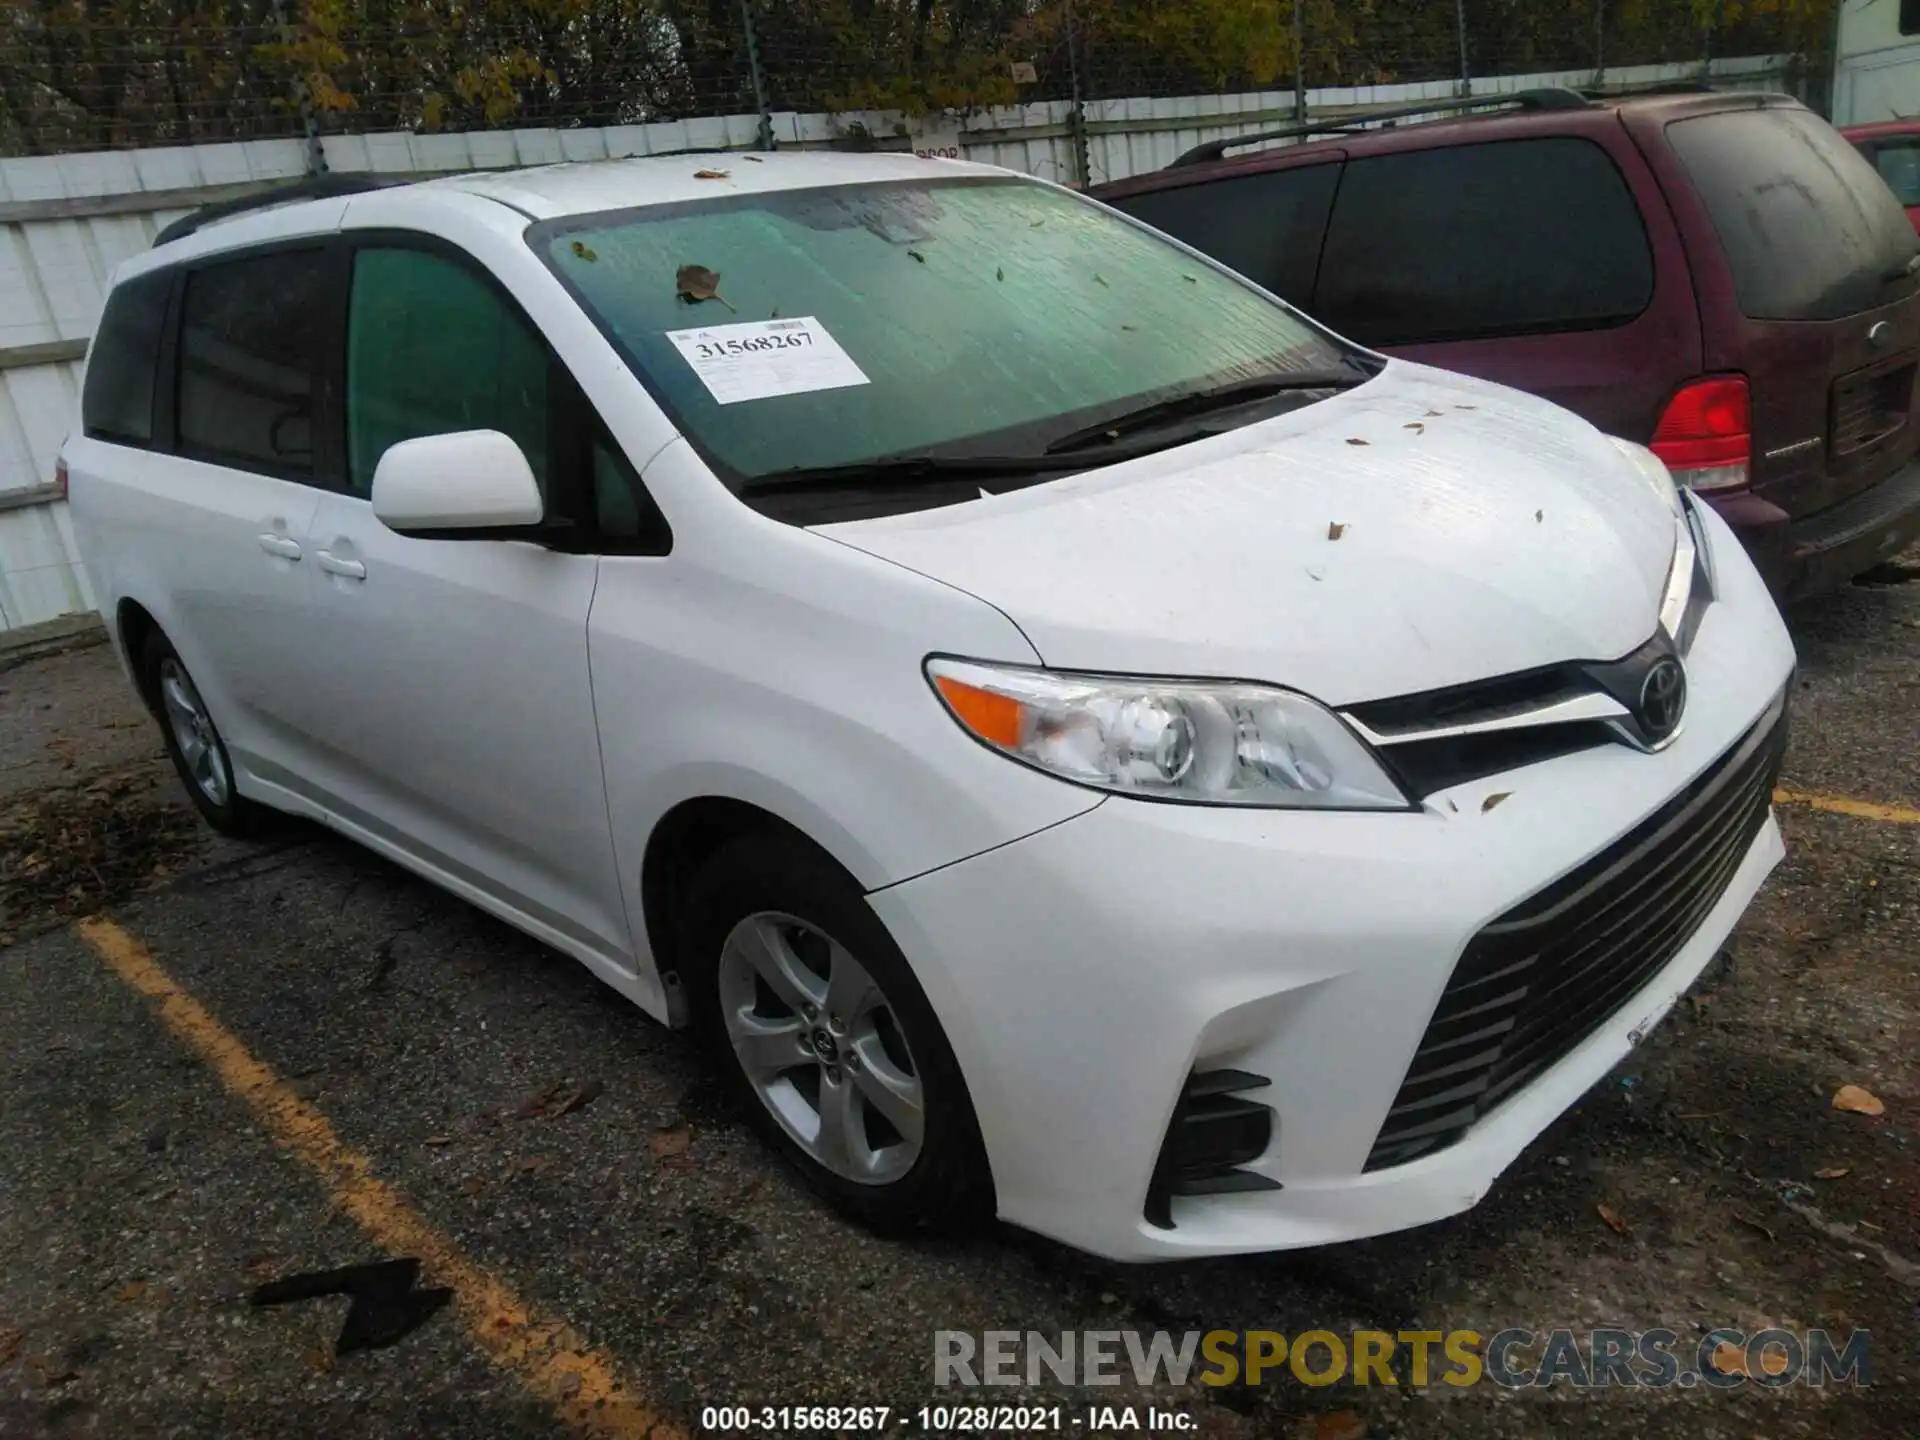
<point>1517,237</point>
<point>1809,230</point>
<point>433,349</point>
<point>1267,226</point>
<point>252,346</point>
<point>117,402</point>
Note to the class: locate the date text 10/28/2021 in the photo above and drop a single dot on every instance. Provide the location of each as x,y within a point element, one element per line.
<point>937,1419</point>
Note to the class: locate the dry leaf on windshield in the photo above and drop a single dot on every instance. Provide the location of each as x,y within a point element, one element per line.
<point>1857,1100</point>
<point>1493,800</point>
<point>669,1140</point>
<point>1335,530</point>
<point>1616,1222</point>
<point>711,174</point>
<point>1833,1172</point>
<point>581,248</point>
<point>695,283</point>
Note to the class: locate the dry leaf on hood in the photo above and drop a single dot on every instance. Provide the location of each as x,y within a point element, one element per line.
<point>1335,530</point>
<point>1355,440</point>
<point>711,174</point>
<point>1493,800</point>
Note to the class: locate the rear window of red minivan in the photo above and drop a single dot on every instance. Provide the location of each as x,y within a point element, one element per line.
<point>1809,230</point>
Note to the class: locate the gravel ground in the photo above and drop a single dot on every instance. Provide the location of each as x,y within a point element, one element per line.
<point>140,1202</point>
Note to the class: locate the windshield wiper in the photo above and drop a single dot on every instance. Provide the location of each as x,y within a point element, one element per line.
<point>1198,402</point>
<point>902,470</point>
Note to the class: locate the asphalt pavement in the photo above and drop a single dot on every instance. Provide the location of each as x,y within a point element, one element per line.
<point>225,1064</point>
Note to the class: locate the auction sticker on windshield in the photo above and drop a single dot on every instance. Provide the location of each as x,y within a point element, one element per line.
<point>762,358</point>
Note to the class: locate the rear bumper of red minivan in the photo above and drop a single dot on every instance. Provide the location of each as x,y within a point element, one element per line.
<point>1813,554</point>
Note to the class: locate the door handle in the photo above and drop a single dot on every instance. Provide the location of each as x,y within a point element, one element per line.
<point>334,565</point>
<point>283,546</point>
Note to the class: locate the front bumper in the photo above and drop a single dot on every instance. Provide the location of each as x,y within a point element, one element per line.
<point>1085,972</point>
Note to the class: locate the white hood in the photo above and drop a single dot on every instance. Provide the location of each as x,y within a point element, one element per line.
<point>1480,532</point>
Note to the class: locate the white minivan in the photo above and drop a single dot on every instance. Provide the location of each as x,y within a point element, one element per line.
<point>1086,742</point>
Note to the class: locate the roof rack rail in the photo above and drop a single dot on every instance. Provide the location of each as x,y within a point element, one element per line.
<point>319,187</point>
<point>1663,87</point>
<point>1547,99</point>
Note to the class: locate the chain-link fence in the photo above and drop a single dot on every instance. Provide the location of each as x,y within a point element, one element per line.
<point>116,74</point>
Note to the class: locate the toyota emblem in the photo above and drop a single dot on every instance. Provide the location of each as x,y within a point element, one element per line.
<point>1663,697</point>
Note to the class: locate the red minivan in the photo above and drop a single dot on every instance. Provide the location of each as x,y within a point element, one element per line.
<point>1720,276</point>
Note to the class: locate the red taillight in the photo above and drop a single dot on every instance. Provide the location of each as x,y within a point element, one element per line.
<point>60,476</point>
<point>1705,434</point>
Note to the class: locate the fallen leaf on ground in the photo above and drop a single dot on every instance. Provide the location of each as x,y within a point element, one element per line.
<point>694,283</point>
<point>131,1291</point>
<point>1616,1222</point>
<point>320,1360</point>
<point>1354,440</point>
<point>1755,1225</point>
<point>537,1103</point>
<point>579,1098</point>
<point>1335,530</point>
<point>669,1140</point>
<point>1493,800</point>
<point>261,1267</point>
<point>678,1165</point>
<point>472,1185</point>
<point>438,1140</point>
<point>1339,1425</point>
<point>711,174</point>
<point>1858,1100</point>
<point>1832,1172</point>
<point>10,1343</point>
<point>533,1164</point>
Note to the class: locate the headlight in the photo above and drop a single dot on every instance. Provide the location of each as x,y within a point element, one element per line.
<point>1654,471</point>
<point>1686,548</point>
<point>1200,742</point>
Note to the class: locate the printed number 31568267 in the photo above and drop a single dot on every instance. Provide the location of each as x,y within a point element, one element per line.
<point>720,349</point>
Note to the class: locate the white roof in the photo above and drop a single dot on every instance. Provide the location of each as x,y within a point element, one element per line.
<point>585,186</point>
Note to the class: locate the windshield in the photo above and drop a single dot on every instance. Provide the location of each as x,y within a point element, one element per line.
<point>806,329</point>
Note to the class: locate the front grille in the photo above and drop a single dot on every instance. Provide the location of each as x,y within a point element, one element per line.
<point>1869,408</point>
<point>1540,979</point>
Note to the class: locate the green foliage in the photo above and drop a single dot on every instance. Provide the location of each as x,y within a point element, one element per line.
<point>92,73</point>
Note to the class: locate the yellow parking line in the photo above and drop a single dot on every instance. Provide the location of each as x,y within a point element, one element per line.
<point>1841,805</point>
<point>545,1354</point>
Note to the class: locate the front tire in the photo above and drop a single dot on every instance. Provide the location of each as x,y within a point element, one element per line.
<point>194,745</point>
<point>828,1039</point>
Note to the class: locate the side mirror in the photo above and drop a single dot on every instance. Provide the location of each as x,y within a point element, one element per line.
<point>464,485</point>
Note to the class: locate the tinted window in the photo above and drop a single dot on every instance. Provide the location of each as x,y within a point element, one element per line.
<point>1809,230</point>
<point>1910,17</point>
<point>1898,162</point>
<point>1266,226</point>
<point>432,348</point>
<point>117,403</point>
<point>1515,238</point>
<point>252,342</point>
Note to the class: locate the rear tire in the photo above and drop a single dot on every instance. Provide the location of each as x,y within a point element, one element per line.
<point>194,745</point>
<point>828,1040</point>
